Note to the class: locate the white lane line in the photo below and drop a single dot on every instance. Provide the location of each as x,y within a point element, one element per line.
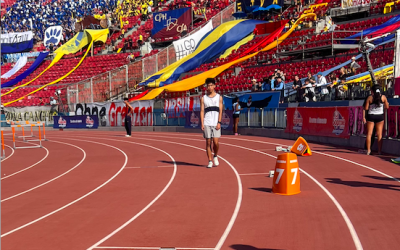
<point>350,226</point>
<point>82,197</point>
<point>157,248</point>
<point>152,167</point>
<point>31,166</point>
<point>328,155</point>
<point>254,174</point>
<point>317,152</point>
<point>148,205</point>
<point>55,178</point>
<point>12,152</point>
<point>235,212</point>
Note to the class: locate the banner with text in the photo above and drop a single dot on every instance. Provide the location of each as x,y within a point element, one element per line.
<point>76,121</point>
<point>113,114</point>
<point>187,45</point>
<point>355,3</point>
<point>171,23</point>
<point>32,114</point>
<point>332,122</point>
<point>16,42</point>
<point>193,120</point>
<point>176,107</point>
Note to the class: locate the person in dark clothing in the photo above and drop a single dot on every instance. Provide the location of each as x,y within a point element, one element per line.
<point>297,84</point>
<point>128,117</point>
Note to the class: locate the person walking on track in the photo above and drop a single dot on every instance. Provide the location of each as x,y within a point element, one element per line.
<point>128,117</point>
<point>236,114</point>
<point>211,115</point>
<point>375,116</point>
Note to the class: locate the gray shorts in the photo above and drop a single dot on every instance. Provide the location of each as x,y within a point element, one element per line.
<point>211,132</point>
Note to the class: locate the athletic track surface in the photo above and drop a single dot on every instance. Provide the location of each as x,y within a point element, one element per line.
<point>101,190</point>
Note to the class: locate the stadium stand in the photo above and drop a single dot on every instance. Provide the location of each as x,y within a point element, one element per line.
<point>294,56</point>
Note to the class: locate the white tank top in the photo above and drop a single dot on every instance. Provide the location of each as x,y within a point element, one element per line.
<point>375,109</point>
<point>211,117</point>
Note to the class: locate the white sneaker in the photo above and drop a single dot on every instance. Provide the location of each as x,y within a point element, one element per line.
<point>216,162</point>
<point>127,135</point>
<point>210,164</point>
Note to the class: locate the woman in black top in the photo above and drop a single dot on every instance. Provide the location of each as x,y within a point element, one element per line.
<point>374,116</point>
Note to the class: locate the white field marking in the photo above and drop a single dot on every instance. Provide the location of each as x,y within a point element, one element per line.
<point>31,166</point>
<point>12,152</point>
<point>152,167</point>
<point>254,174</point>
<point>328,155</point>
<point>148,205</point>
<point>235,212</point>
<point>157,248</point>
<point>350,226</point>
<point>55,178</point>
<point>82,197</point>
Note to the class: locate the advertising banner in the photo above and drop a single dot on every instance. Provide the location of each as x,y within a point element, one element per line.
<point>32,114</point>
<point>332,122</point>
<point>16,42</point>
<point>176,107</point>
<point>193,120</point>
<point>76,121</point>
<point>254,100</point>
<point>355,3</point>
<point>112,114</point>
<point>187,45</point>
<point>171,23</point>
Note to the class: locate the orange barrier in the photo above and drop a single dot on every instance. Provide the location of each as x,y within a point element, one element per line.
<point>3,152</point>
<point>286,177</point>
<point>300,147</point>
<point>25,136</point>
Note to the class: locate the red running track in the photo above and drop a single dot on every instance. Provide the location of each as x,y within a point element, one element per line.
<point>101,190</point>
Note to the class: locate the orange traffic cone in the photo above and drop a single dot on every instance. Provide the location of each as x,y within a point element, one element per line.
<point>286,177</point>
<point>300,147</point>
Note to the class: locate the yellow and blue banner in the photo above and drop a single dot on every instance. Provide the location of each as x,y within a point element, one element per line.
<point>249,6</point>
<point>210,47</point>
<point>199,79</point>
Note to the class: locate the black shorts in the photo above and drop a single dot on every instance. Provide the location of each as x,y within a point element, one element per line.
<point>236,115</point>
<point>375,118</point>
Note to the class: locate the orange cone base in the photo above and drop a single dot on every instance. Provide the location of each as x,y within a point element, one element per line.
<point>287,175</point>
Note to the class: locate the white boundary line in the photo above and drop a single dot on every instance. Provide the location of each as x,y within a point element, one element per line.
<point>151,167</point>
<point>157,248</point>
<point>148,205</point>
<point>10,154</point>
<point>69,204</point>
<point>350,226</point>
<point>253,174</point>
<point>55,178</point>
<point>235,212</point>
<point>31,166</point>
<point>277,144</point>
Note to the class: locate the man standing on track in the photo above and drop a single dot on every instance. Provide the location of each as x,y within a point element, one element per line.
<point>128,117</point>
<point>211,115</point>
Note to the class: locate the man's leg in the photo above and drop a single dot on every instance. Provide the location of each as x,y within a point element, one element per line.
<point>129,125</point>
<point>215,146</point>
<point>209,153</point>
<point>126,125</point>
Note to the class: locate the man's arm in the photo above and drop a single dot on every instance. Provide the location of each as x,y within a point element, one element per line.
<point>220,113</point>
<point>202,113</point>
